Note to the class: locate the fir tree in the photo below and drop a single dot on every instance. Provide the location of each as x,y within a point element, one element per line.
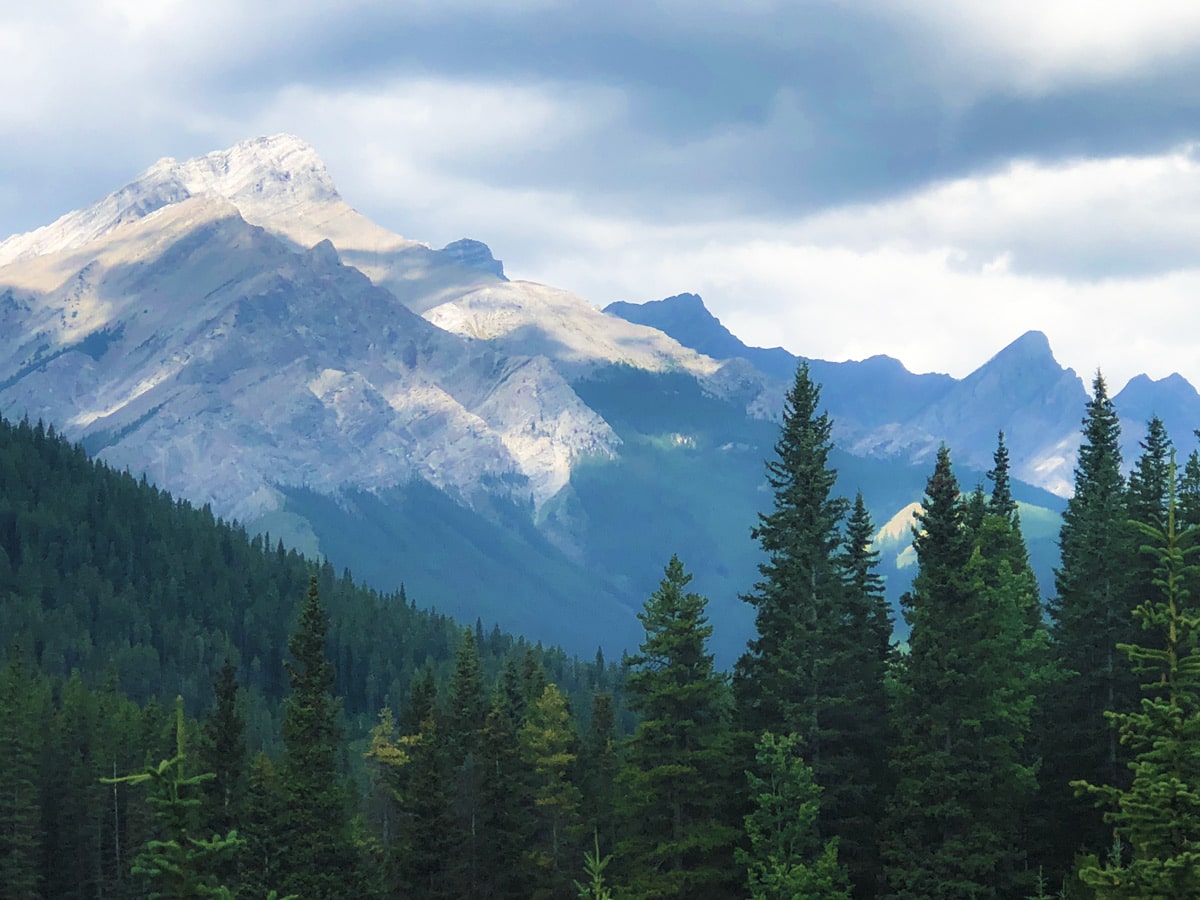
<point>817,665</point>
<point>548,745</point>
<point>674,841</point>
<point>22,710</point>
<point>263,858</point>
<point>321,857</point>
<point>224,754</point>
<point>777,681</point>
<point>599,768</point>
<point>964,697</point>
<point>1090,615</point>
<point>178,865</point>
<point>1158,816</point>
<point>786,859</point>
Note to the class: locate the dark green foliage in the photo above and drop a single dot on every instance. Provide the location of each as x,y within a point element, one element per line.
<point>178,864</point>
<point>101,571</point>
<point>224,754</point>
<point>779,681</point>
<point>599,766</point>
<point>1089,616</point>
<point>786,859</point>
<point>24,705</point>
<point>818,663</point>
<point>673,840</point>
<point>321,859</point>
<point>1158,815</point>
<point>964,697</point>
<point>263,858</point>
<point>506,803</point>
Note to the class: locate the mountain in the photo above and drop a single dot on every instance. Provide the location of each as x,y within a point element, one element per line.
<point>1172,399</point>
<point>232,327</point>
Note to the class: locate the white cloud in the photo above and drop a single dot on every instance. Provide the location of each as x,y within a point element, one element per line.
<point>1034,46</point>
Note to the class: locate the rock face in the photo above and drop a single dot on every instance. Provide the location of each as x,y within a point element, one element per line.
<point>175,336</point>
<point>475,255</point>
<point>881,409</point>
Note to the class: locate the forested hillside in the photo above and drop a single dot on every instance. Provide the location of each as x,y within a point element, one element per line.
<point>330,741</point>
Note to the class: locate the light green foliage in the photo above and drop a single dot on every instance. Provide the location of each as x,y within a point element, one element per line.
<point>1158,816</point>
<point>178,864</point>
<point>548,743</point>
<point>786,859</point>
<point>595,887</point>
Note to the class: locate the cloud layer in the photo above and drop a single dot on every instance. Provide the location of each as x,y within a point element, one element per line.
<point>916,178</point>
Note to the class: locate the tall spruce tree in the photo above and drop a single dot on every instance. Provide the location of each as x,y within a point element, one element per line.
<point>1148,491</point>
<point>964,697</point>
<point>1090,615</point>
<point>1158,815</point>
<point>817,665</point>
<point>677,772</point>
<point>321,858</point>
<point>786,860</point>
<point>548,748</point>
<point>780,681</point>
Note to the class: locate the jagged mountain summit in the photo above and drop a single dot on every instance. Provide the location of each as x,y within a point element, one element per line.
<point>241,270</point>
<point>881,409</point>
<point>232,327</point>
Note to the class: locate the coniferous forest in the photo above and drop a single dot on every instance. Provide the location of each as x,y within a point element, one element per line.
<point>187,710</point>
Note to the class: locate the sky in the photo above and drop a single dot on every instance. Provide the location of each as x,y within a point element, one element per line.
<point>928,179</point>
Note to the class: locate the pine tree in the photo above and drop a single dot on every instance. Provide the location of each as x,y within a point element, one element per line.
<point>178,865</point>
<point>777,681</point>
<point>675,842</point>
<point>426,831</point>
<point>786,859</point>
<point>1158,816</point>
<point>1148,490</point>
<point>506,805</point>
<point>263,859</point>
<point>599,767</point>
<point>1090,615</point>
<point>859,730</point>
<point>22,709</point>
<point>548,748</point>
<point>321,857</point>
<point>818,663</point>
<point>465,717</point>
<point>964,697</point>
<point>224,754</point>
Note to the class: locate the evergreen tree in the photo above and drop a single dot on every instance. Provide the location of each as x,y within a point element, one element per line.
<point>1149,487</point>
<point>599,770</point>
<point>429,844</point>
<point>548,745</point>
<point>1158,816</point>
<point>675,842</point>
<point>779,681</point>
<point>224,754</point>
<point>321,857</point>
<point>1090,615</point>
<point>178,865</point>
<point>465,717</point>
<point>859,732</point>
<point>22,710</point>
<point>786,860</point>
<point>506,814</point>
<point>263,859</point>
<point>817,665</point>
<point>964,697</point>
